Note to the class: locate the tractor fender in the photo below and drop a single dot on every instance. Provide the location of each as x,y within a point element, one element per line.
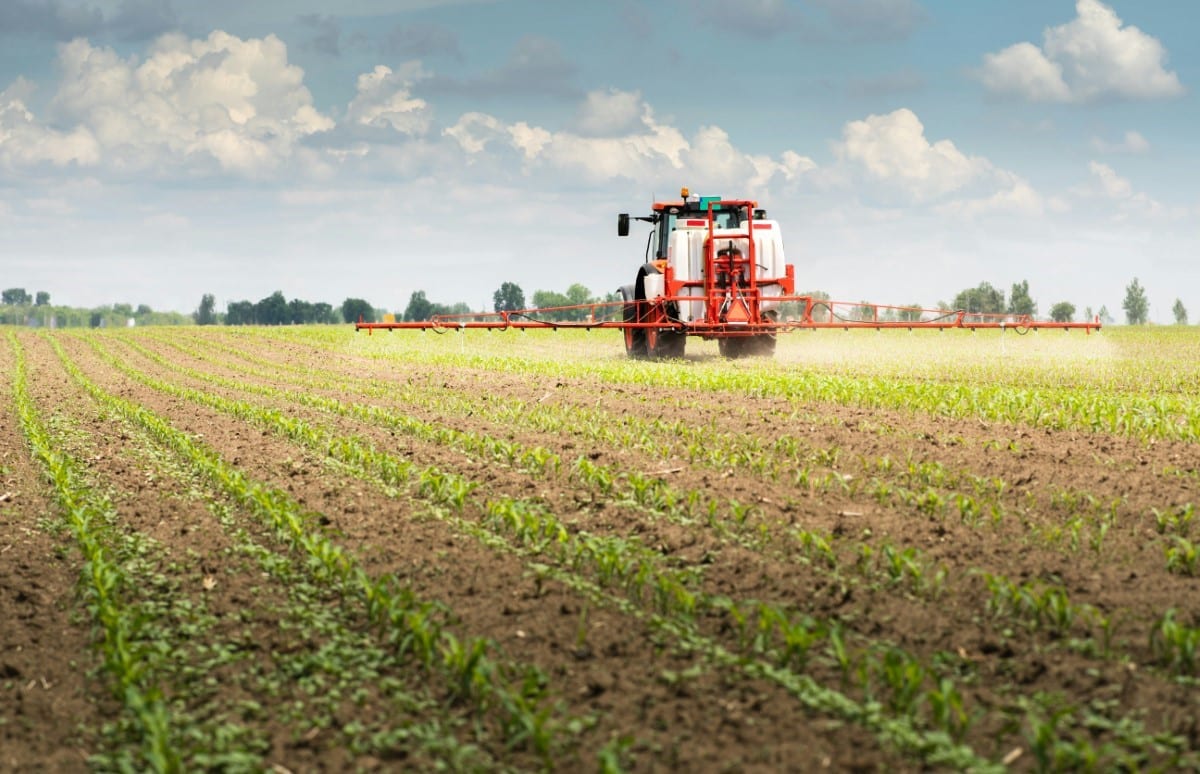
<point>648,290</point>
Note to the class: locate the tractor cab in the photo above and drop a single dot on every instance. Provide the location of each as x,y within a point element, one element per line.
<point>691,211</point>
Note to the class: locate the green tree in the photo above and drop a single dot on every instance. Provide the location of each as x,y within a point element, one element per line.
<point>419,307</point>
<point>355,308</point>
<point>984,299</point>
<point>1180,312</point>
<point>204,314</point>
<point>911,313</point>
<point>1063,311</point>
<point>1019,300</point>
<point>300,312</point>
<point>323,313</point>
<point>43,298</point>
<point>239,313</point>
<point>1137,308</point>
<point>15,297</point>
<point>272,310</point>
<point>546,299</point>
<point>509,297</point>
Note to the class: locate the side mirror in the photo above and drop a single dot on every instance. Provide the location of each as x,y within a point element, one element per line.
<point>760,214</point>
<point>623,224</point>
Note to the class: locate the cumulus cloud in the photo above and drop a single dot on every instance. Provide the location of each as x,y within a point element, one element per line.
<point>384,100</point>
<point>1132,142</point>
<point>608,113</point>
<point>1106,182</point>
<point>237,104</point>
<point>1094,56</point>
<point>637,148</point>
<point>894,154</point>
<point>25,142</point>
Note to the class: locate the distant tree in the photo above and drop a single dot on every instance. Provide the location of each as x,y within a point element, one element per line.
<point>96,319</point>
<point>911,313</point>
<point>509,297</point>
<point>1137,308</point>
<point>323,313</point>
<point>354,308</point>
<point>204,314</point>
<point>15,297</point>
<point>1180,312</point>
<point>1088,314</point>
<point>1019,300</point>
<point>272,310</point>
<point>1063,311</point>
<point>545,299</point>
<point>239,313</point>
<point>43,298</point>
<point>142,310</point>
<point>1105,317</point>
<point>578,294</point>
<point>984,299</point>
<point>419,307</point>
<point>864,311</point>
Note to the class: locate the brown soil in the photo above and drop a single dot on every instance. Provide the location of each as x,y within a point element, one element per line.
<point>611,667</point>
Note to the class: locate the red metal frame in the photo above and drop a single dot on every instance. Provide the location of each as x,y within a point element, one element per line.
<point>652,314</point>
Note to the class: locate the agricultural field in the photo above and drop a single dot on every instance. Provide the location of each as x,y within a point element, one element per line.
<point>305,549</point>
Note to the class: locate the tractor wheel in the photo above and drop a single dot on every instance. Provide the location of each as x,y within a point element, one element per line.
<point>635,338</point>
<point>758,345</point>
<point>663,343</point>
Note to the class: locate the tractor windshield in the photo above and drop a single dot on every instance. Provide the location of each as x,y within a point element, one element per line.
<point>723,217</point>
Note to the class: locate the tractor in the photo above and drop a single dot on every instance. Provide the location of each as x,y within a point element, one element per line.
<point>712,268</point>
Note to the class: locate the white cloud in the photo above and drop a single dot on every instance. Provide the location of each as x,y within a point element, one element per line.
<point>632,145</point>
<point>1132,142</point>
<point>1094,56</point>
<point>1106,182</point>
<point>892,148</point>
<point>224,102</point>
<point>25,142</point>
<point>609,113</point>
<point>899,161</point>
<point>384,100</point>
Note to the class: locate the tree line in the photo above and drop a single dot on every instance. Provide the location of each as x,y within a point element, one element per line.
<point>986,299</point>
<point>19,307</point>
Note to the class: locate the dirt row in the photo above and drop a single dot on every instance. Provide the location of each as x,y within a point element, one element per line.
<point>600,666</point>
<point>1056,670</point>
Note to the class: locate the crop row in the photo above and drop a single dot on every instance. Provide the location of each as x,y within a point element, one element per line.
<point>612,560</point>
<point>411,626</point>
<point>901,568</point>
<point>1167,415</point>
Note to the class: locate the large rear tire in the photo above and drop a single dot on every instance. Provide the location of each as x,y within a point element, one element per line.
<point>635,338</point>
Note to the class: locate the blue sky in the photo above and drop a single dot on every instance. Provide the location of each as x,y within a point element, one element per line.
<point>155,150</point>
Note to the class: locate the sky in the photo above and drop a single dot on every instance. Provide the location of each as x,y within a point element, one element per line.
<point>152,151</point>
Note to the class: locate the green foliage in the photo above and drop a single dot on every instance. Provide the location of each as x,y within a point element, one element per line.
<point>1180,312</point>
<point>355,308</point>
<point>1063,311</point>
<point>509,297</point>
<point>984,299</point>
<point>204,314</point>
<point>1020,302</point>
<point>1137,307</point>
<point>15,297</point>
